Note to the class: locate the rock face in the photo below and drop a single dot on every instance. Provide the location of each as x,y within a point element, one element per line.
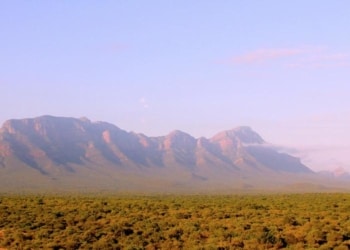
<point>58,150</point>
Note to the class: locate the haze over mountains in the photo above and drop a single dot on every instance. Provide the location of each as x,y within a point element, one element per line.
<point>61,153</point>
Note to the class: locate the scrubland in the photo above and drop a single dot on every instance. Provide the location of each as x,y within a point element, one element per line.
<point>266,221</point>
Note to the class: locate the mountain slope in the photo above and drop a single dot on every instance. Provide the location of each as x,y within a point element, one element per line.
<point>61,151</point>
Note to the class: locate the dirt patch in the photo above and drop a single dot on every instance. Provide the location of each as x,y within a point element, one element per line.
<point>2,234</point>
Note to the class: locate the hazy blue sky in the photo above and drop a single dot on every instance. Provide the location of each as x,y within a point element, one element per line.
<point>281,67</point>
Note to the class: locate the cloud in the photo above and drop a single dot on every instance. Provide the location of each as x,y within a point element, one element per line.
<point>322,59</point>
<point>298,58</point>
<point>318,157</point>
<point>280,148</point>
<point>263,55</point>
<point>144,102</point>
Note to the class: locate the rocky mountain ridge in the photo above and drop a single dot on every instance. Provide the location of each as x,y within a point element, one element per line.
<point>65,150</point>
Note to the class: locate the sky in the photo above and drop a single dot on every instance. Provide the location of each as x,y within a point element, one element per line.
<point>280,67</point>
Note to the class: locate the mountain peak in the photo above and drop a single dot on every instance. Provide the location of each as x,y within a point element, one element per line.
<point>247,135</point>
<point>177,133</point>
<point>244,134</point>
<point>179,139</point>
<point>50,147</point>
<point>85,119</point>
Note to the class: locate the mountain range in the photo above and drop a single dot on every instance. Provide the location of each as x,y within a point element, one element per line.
<point>62,153</point>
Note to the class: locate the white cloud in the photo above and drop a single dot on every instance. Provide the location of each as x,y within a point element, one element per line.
<point>317,158</point>
<point>144,102</point>
<point>323,157</point>
<point>263,55</point>
<point>298,57</point>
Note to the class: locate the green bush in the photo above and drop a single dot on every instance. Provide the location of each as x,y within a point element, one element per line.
<point>295,221</point>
